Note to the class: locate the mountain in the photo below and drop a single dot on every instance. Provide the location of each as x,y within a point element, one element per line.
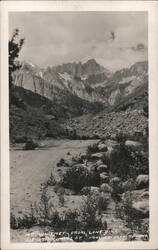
<point>49,96</point>
<point>88,81</point>
<point>72,77</point>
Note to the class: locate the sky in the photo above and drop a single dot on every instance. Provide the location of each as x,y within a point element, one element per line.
<point>114,39</point>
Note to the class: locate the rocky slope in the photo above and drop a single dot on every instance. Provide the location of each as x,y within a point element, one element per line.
<point>109,124</point>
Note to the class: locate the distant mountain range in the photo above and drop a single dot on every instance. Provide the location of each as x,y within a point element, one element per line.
<point>88,81</point>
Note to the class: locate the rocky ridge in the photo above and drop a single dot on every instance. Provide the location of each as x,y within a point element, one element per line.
<point>89,81</point>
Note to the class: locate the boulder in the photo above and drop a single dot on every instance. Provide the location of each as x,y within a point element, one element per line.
<point>142,181</point>
<point>141,208</point>
<point>102,168</point>
<point>131,143</point>
<point>104,178</point>
<point>102,147</point>
<point>97,156</point>
<point>105,188</point>
<point>145,195</point>
<point>115,180</point>
<point>69,163</point>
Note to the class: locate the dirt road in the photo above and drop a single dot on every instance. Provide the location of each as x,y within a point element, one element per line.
<point>28,169</point>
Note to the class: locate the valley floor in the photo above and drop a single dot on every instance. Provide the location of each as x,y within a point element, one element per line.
<point>29,169</point>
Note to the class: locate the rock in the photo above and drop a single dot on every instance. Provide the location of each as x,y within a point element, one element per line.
<point>104,178</point>
<point>115,180</point>
<point>69,163</point>
<point>105,188</point>
<point>102,168</point>
<point>97,156</point>
<point>142,181</point>
<point>102,147</point>
<point>98,163</point>
<point>111,143</point>
<point>141,208</point>
<point>145,195</point>
<point>133,143</point>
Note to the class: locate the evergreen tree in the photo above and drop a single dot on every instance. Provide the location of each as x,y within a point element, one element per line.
<point>15,45</point>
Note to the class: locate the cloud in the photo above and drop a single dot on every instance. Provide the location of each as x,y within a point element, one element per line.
<point>56,37</point>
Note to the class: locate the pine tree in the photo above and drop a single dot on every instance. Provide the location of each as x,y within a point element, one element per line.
<point>15,45</point>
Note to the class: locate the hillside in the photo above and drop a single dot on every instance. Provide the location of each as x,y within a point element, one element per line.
<point>32,115</point>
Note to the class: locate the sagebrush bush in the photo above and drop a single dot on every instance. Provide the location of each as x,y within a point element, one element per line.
<point>51,181</point>
<point>90,209</point>
<point>127,162</point>
<point>75,178</point>
<point>92,149</point>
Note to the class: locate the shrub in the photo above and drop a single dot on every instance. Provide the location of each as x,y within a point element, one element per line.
<point>125,211</point>
<point>93,178</point>
<point>42,208</point>
<point>51,181</point>
<point>89,210</point>
<point>55,221</point>
<point>58,189</point>
<point>127,162</point>
<point>121,137</point>
<point>71,220</point>
<point>75,178</point>
<point>30,145</point>
<point>61,199</point>
<point>61,162</point>
<point>85,191</point>
<point>22,139</point>
<point>92,149</point>
<point>26,221</point>
<point>103,202</point>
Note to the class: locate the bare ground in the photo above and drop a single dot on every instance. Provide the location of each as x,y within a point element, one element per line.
<point>29,169</point>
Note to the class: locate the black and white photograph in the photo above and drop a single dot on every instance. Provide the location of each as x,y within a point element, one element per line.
<point>78,126</point>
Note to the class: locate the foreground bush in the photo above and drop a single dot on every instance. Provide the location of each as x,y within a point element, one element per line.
<point>92,149</point>
<point>127,162</point>
<point>78,177</point>
<point>90,219</point>
<point>75,178</point>
<point>26,221</point>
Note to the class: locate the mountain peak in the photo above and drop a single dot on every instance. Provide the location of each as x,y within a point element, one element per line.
<point>91,61</point>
